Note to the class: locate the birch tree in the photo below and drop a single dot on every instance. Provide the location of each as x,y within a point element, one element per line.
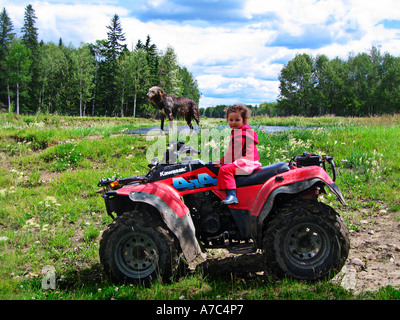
<point>84,69</point>
<point>140,76</point>
<point>18,63</point>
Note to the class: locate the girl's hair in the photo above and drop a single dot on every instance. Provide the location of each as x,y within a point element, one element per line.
<point>240,108</point>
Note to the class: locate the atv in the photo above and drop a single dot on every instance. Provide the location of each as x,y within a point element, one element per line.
<point>170,216</point>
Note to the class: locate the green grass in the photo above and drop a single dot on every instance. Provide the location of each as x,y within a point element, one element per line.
<point>366,157</point>
<point>50,213</point>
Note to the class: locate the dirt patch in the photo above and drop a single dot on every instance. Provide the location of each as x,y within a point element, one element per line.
<point>373,262</point>
<point>48,177</point>
<point>5,161</point>
<point>374,259</point>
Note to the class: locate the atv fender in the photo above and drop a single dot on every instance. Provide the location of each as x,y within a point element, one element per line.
<point>174,213</point>
<point>284,184</point>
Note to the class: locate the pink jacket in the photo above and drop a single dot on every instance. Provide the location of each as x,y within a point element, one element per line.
<point>242,150</point>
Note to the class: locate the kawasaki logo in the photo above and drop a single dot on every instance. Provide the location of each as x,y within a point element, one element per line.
<point>203,180</point>
<point>167,173</point>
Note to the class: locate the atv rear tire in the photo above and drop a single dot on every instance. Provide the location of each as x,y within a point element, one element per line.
<point>305,240</point>
<point>135,253</point>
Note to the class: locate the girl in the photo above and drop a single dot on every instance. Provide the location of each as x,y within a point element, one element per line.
<point>241,156</point>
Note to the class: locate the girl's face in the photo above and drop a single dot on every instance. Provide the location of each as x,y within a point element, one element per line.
<point>235,120</point>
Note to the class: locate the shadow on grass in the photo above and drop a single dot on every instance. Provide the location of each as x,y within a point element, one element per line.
<point>234,263</point>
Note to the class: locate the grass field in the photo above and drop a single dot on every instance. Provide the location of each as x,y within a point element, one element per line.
<point>51,215</point>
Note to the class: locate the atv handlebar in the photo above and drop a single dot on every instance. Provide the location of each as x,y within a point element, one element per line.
<point>182,148</point>
<point>332,163</point>
<point>174,151</point>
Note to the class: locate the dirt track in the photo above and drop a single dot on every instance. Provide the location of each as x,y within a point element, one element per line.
<point>374,259</point>
<point>373,262</point>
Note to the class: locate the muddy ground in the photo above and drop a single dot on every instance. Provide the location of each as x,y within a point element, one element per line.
<point>373,262</point>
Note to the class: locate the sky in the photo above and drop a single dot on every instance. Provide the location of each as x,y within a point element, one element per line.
<point>234,48</point>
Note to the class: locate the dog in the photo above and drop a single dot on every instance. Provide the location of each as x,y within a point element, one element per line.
<point>174,107</point>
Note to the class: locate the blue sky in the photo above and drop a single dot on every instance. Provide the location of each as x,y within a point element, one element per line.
<point>236,48</point>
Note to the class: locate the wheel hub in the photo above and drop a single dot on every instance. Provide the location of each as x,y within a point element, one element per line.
<point>138,256</point>
<point>304,243</point>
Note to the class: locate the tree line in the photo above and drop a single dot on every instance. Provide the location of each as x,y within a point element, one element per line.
<point>364,84</point>
<point>104,78</point>
<point>264,109</point>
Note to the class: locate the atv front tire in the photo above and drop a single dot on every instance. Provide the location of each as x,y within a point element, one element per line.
<point>305,240</point>
<point>135,253</point>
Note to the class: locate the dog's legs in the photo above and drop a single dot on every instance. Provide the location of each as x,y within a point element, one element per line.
<point>162,122</point>
<point>172,131</point>
<point>171,121</point>
<point>191,127</point>
<point>189,123</point>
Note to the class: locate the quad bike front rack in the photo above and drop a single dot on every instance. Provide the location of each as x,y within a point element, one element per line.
<point>312,159</point>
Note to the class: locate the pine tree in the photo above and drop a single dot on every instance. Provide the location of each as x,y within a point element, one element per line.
<point>115,38</point>
<point>6,33</point>
<point>29,31</point>
<point>114,47</point>
<point>6,37</point>
<point>30,40</point>
<point>153,61</point>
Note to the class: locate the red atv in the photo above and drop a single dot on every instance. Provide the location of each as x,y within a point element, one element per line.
<point>174,212</point>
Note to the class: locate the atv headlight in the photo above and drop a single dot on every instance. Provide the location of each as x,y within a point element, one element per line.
<point>114,184</point>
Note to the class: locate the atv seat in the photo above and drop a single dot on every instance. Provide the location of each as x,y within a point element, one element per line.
<point>260,175</point>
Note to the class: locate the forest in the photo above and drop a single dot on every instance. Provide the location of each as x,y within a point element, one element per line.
<point>104,78</point>
<point>364,85</point>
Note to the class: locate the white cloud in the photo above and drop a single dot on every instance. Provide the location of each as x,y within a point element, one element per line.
<point>238,90</point>
<point>74,22</point>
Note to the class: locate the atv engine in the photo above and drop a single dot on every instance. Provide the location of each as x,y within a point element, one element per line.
<point>214,222</point>
<point>211,223</point>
